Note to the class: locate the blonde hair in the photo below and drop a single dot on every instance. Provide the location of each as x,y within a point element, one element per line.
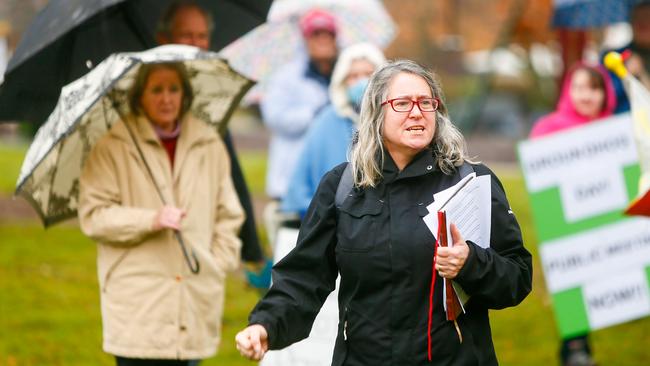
<point>367,154</point>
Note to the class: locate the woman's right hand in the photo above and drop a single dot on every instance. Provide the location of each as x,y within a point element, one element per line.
<point>252,342</point>
<point>169,217</point>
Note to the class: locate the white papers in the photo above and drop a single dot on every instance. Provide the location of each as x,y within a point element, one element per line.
<point>467,205</point>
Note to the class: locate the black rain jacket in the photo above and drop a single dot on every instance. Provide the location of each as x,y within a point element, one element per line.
<point>383,251</point>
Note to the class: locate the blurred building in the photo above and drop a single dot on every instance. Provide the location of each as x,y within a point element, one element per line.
<point>427,28</point>
<point>499,60</point>
<point>19,14</point>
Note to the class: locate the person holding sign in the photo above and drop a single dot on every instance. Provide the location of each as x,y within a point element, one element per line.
<point>375,237</point>
<point>587,95</point>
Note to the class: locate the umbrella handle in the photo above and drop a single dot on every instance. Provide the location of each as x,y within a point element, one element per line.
<point>193,263</point>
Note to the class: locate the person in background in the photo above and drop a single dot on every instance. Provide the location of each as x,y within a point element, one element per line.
<point>407,150</point>
<point>154,311</point>
<point>637,52</point>
<point>185,22</point>
<point>329,136</point>
<point>587,95</point>
<point>295,94</point>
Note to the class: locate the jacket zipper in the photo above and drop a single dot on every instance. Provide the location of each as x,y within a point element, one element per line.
<point>345,324</point>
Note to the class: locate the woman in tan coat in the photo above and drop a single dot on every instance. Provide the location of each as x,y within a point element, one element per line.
<point>153,307</point>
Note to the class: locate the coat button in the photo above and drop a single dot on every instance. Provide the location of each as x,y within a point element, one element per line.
<point>182,328</point>
<point>179,278</point>
<point>429,167</point>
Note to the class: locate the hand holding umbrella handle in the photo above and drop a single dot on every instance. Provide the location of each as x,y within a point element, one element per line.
<point>169,217</point>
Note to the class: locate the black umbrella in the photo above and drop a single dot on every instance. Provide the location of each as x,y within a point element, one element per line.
<point>68,37</point>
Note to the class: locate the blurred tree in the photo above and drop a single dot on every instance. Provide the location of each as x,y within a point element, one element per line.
<point>19,13</point>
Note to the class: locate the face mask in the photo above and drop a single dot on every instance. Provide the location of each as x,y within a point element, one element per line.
<point>355,93</point>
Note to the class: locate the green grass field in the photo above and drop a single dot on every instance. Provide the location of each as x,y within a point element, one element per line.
<point>11,158</point>
<point>49,301</point>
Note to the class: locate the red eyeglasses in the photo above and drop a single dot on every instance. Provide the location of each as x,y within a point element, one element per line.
<point>406,104</point>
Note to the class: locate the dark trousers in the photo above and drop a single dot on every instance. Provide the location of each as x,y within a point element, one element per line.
<point>123,361</point>
<point>251,250</point>
<point>579,344</point>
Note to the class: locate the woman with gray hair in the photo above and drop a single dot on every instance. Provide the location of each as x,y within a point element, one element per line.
<point>375,238</point>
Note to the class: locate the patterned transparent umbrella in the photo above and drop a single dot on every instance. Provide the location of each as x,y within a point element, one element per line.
<point>274,43</point>
<point>87,107</point>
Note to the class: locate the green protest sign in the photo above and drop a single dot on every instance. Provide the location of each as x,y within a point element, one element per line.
<point>596,260</point>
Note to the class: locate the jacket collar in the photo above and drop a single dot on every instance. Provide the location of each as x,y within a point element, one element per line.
<point>193,131</point>
<point>313,72</point>
<point>422,163</point>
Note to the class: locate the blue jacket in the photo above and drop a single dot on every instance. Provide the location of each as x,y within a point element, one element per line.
<point>326,146</point>
<point>295,95</point>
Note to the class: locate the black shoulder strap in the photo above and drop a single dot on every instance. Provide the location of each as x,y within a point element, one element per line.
<point>344,187</point>
<point>465,169</point>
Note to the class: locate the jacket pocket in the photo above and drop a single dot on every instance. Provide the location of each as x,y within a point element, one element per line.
<point>366,341</point>
<point>445,344</point>
<point>421,233</point>
<point>421,209</point>
<point>357,226</point>
<point>111,268</point>
<point>340,345</point>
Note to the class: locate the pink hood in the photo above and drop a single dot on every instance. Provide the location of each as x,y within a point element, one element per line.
<point>565,116</point>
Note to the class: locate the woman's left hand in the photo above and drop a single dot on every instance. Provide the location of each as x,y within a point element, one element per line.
<point>450,260</point>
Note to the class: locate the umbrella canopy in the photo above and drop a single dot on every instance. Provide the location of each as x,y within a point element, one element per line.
<point>68,37</point>
<point>585,14</point>
<point>87,108</point>
<point>274,43</point>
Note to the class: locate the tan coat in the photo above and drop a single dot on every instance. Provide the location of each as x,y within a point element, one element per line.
<point>152,305</point>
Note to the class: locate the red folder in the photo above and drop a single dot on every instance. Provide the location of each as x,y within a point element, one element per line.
<point>454,308</point>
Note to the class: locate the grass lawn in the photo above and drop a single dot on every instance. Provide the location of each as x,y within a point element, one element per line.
<point>49,301</point>
<point>11,158</point>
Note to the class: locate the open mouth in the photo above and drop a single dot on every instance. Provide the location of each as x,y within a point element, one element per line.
<point>415,129</point>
